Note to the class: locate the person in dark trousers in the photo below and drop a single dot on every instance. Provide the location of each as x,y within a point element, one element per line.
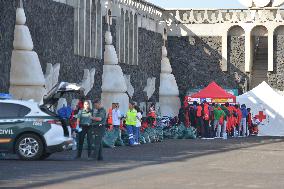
<point>199,117</point>
<point>84,121</point>
<point>192,116</point>
<point>99,124</point>
<point>211,115</point>
<point>224,126</point>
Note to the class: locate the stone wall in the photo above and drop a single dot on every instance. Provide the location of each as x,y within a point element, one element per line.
<point>149,64</point>
<point>236,55</point>
<point>51,25</point>
<point>7,25</point>
<point>276,78</point>
<point>236,61</point>
<point>196,62</point>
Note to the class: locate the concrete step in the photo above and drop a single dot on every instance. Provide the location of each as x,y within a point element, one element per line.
<point>259,67</point>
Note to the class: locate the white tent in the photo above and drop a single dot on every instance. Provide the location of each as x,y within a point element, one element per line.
<point>268,106</point>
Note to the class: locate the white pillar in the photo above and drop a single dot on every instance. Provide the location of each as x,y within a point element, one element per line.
<point>248,51</point>
<point>133,62</point>
<point>99,31</point>
<point>122,37</point>
<point>270,51</point>
<point>224,52</point>
<point>94,30</point>
<point>136,40</point>
<point>76,29</point>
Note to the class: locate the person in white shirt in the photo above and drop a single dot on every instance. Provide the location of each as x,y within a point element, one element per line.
<point>138,125</point>
<point>116,118</point>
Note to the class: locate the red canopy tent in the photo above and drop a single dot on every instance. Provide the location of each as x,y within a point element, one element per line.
<point>212,93</point>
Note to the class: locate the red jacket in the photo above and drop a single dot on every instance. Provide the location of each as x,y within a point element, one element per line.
<point>199,111</point>
<point>206,111</point>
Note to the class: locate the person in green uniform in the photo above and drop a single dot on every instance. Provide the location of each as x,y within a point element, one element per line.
<point>84,122</point>
<point>99,124</point>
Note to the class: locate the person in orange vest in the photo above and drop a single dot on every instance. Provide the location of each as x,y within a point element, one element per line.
<point>206,113</point>
<point>234,120</point>
<point>199,119</point>
<point>109,116</point>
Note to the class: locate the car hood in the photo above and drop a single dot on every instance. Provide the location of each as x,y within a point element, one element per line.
<point>59,90</point>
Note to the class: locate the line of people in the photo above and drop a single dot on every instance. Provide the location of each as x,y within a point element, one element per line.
<point>220,120</point>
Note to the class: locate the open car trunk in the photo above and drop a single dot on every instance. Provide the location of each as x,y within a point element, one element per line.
<point>52,98</point>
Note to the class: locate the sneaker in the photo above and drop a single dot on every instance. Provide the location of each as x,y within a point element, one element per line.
<point>135,143</point>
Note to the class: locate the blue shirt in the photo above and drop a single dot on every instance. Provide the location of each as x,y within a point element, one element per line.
<point>65,112</point>
<point>244,112</point>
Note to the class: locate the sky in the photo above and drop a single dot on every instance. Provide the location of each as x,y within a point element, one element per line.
<point>197,3</point>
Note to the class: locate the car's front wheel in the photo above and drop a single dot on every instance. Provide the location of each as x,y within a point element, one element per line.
<point>29,147</point>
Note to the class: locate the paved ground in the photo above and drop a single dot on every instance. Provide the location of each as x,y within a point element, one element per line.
<point>235,163</point>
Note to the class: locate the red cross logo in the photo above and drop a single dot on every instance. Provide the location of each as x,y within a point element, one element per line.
<point>261,116</point>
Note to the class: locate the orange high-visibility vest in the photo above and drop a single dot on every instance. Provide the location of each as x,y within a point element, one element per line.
<point>109,118</point>
<point>199,111</point>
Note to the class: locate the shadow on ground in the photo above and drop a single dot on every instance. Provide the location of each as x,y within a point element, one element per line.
<point>61,167</point>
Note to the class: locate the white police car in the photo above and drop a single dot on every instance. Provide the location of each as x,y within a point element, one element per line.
<point>33,131</point>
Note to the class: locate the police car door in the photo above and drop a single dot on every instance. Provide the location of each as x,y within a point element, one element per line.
<point>11,123</point>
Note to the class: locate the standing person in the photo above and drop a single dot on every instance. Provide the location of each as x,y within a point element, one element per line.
<point>130,122</point>
<point>211,114</point>
<point>206,120</point>
<point>152,115</point>
<point>234,120</point>
<point>239,120</point>
<point>249,121</point>
<point>109,117</point>
<point>199,119</point>
<point>84,121</point>
<point>244,120</point>
<point>138,125</point>
<point>230,123</point>
<point>186,113</point>
<point>116,120</point>
<point>192,116</point>
<point>99,123</point>
<point>226,117</point>
<point>218,116</point>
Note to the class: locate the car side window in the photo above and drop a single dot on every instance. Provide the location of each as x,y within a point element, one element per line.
<point>10,110</point>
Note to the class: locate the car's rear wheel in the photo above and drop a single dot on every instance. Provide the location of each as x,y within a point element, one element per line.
<point>29,147</point>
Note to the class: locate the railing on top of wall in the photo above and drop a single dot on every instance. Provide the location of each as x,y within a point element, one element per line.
<point>143,7</point>
<point>213,16</point>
